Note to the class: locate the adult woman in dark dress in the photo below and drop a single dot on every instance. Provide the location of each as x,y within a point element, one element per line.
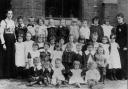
<point>121,33</point>
<point>8,28</point>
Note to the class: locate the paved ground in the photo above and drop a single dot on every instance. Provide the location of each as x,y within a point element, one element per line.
<point>17,84</point>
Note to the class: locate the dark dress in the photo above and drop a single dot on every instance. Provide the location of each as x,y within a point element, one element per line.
<point>97,29</point>
<point>86,59</point>
<point>63,32</point>
<point>52,32</point>
<point>21,31</point>
<point>80,58</point>
<point>46,75</point>
<point>67,59</point>
<point>9,59</point>
<point>33,73</point>
<point>121,39</point>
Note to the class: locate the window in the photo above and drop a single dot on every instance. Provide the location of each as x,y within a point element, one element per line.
<point>62,8</point>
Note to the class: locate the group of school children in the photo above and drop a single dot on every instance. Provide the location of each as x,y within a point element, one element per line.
<point>75,54</point>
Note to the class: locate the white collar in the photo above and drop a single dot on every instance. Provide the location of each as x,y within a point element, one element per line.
<point>38,67</point>
<point>79,52</point>
<point>87,52</point>
<point>51,26</point>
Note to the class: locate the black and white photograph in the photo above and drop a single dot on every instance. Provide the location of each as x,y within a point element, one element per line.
<point>63,44</point>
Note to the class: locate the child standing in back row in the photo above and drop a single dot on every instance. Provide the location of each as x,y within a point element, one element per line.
<point>84,31</point>
<point>28,45</point>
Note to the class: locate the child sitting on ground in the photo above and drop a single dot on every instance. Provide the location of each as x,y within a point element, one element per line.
<point>76,75</point>
<point>58,76</point>
<point>34,72</point>
<point>46,73</point>
<point>92,75</point>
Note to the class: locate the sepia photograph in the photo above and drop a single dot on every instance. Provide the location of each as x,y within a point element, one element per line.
<point>63,44</point>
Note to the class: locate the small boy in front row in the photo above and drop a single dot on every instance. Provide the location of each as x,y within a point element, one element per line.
<point>67,59</point>
<point>46,73</point>
<point>89,54</point>
<point>34,72</point>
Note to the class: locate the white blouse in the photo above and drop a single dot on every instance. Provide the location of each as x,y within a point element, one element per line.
<point>7,26</point>
<point>107,30</point>
<point>41,30</point>
<point>84,32</point>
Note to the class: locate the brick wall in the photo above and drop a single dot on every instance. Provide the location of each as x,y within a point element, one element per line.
<point>28,7</point>
<point>90,8</point>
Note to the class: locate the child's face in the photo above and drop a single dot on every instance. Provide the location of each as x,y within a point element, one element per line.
<point>62,23</point>
<point>35,48</point>
<point>77,66</point>
<point>52,41</point>
<point>96,22</point>
<point>100,50</point>
<point>46,47</point>
<point>107,22</point>
<point>104,40</point>
<point>94,38</point>
<point>61,41</point>
<point>58,64</point>
<point>28,37</point>
<point>40,39</point>
<point>51,22</point>
<point>20,21</point>
<point>74,23</point>
<point>40,22</point>
<point>90,48</point>
<point>84,23</point>
<point>120,19</point>
<point>71,39</point>
<point>78,48</point>
<point>31,21</point>
<point>20,39</point>
<point>47,58</point>
<point>113,39</point>
<point>46,65</point>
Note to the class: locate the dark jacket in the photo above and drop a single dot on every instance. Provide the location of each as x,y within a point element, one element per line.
<point>97,29</point>
<point>63,32</point>
<point>52,32</point>
<point>21,31</point>
<point>68,57</point>
<point>121,33</point>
